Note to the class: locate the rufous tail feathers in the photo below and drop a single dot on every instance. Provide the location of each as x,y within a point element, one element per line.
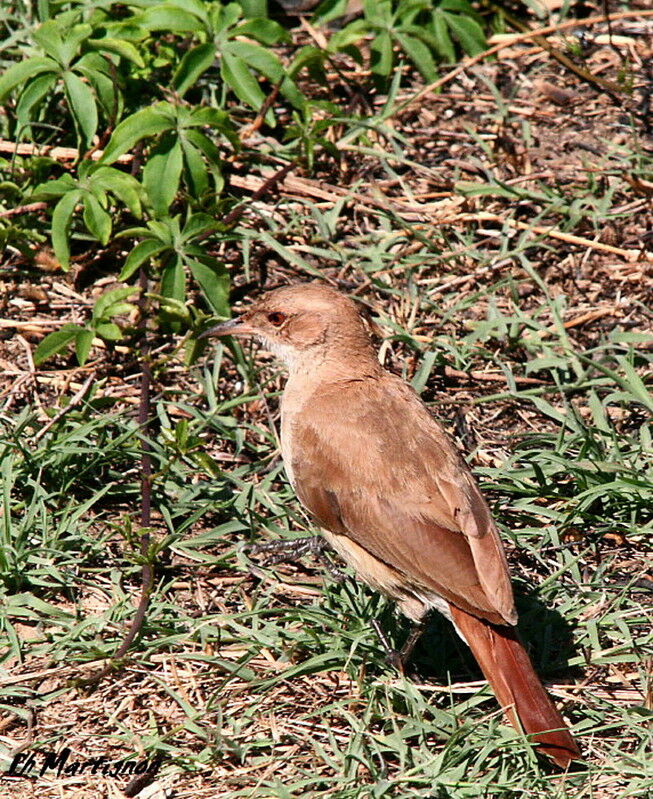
<point>508,668</point>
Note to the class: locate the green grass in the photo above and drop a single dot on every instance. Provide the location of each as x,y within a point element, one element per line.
<point>241,666</point>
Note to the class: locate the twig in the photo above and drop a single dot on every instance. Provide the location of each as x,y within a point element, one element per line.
<point>611,89</point>
<point>24,209</point>
<point>490,377</point>
<point>58,153</point>
<point>75,400</point>
<point>250,130</point>
<point>234,215</point>
<point>147,572</point>
<point>32,373</point>
<point>553,233</point>
<point>523,37</point>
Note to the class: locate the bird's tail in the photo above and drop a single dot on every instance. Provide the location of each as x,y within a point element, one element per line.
<point>508,668</point>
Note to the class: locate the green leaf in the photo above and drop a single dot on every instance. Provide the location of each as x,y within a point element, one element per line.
<point>170,19</point>
<point>61,217</point>
<point>125,187</point>
<point>32,95</point>
<point>162,173</point>
<point>419,54</point>
<point>107,95</point>
<point>254,8</point>
<point>236,74</point>
<point>209,116</point>
<point>263,30</point>
<point>18,74</point>
<point>198,225</point>
<point>81,101</point>
<point>204,145</point>
<point>141,125</point>
<point>122,48</point>
<point>142,252</point>
<point>73,40</point>
<point>103,305</point>
<point>96,219</point>
<point>443,40</point>
<point>54,188</point>
<point>83,342</point>
<point>257,58</point>
<point>350,34</point>
<point>55,342</point>
<point>173,281</point>
<point>109,331</point>
<point>48,37</point>
<point>216,119</point>
<point>197,176</point>
<point>213,280</point>
<point>468,32</point>
<point>307,56</point>
<point>194,63</point>
<point>381,54</point>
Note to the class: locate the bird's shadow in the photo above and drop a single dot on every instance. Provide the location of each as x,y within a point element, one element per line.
<point>440,653</point>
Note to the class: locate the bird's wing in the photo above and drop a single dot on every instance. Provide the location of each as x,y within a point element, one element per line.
<point>370,462</point>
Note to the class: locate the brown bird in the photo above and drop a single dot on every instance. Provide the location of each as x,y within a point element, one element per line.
<point>391,493</point>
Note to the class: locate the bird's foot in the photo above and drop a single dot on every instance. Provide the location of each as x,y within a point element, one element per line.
<point>286,550</point>
<point>398,658</point>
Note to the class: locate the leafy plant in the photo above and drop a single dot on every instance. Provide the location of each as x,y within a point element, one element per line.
<point>223,33</point>
<point>181,150</point>
<point>176,251</point>
<point>109,305</point>
<point>74,59</point>
<point>422,30</point>
<point>93,189</point>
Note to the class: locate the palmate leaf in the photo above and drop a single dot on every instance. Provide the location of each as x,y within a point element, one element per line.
<point>122,48</point>
<point>55,188</point>
<point>382,56</point>
<point>419,54</point>
<point>169,17</point>
<point>264,30</point>
<point>48,37</point>
<point>123,186</point>
<point>245,86</point>
<point>112,302</point>
<point>198,225</point>
<point>196,172</point>
<point>83,343</point>
<point>72,41</point>
<point>468,32</point>
<point>32,94</point>
<point>173,280</point>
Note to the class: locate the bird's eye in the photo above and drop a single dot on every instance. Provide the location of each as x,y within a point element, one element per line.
<point>277,318</point>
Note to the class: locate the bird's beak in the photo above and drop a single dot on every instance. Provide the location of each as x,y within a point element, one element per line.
<point>233,327</point>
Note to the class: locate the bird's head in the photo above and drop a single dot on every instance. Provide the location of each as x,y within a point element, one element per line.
<point>304,322</point>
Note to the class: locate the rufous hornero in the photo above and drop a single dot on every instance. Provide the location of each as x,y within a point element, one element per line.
<point>391,493</point>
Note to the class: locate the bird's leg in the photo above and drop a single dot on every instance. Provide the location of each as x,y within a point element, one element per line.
<point>289,549</point>
<point>399,657</point>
